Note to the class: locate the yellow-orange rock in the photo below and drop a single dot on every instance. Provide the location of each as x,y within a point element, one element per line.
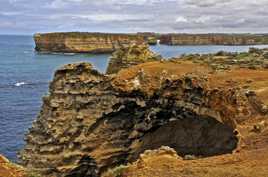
<point>8,169</point>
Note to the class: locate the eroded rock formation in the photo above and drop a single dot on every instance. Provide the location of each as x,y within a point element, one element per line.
<point>126,56</point>
<point>83,42</point>
<point>113,119</point>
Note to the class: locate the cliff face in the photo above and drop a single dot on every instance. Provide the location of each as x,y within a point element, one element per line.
<point>101,121</point>
<point>213,39</point>
<point>83,42</point>
<point>126,56</point>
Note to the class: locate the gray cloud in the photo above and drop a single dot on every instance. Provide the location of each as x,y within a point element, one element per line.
<point>193,16</point>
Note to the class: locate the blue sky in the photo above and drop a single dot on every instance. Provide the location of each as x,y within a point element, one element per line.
<point>191,16</point>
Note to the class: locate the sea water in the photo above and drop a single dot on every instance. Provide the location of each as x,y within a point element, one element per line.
<point>25,76</point>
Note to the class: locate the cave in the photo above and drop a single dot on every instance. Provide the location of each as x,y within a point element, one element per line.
<point>160,123</point>
<point>189,134</point>
<point>156,124</point>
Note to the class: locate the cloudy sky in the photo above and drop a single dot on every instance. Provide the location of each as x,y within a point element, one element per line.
<point>191,16</point>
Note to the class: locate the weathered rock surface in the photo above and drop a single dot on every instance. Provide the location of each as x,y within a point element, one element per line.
<point>131,55</point>
<point>113,119</point>
<point>214,39</point>
<point>75,42</point>
<point>8,169</point>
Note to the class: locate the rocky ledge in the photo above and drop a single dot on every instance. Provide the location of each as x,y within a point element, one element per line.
<point>91,122</point>
<point>75,42</point>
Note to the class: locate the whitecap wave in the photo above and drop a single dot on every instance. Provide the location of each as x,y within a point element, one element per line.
<point>20,84</point>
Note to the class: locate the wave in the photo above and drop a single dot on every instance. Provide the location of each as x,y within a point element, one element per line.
<point>21,84</point>
<point>18,84</point>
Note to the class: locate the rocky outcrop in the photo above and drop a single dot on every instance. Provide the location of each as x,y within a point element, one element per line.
<point>75,42</point>
<point>254,59</point>
<point>131,55</point>
<point>8,169</point>
<point>90,120</point>
<point>214,39</point>
<point>150,37</point>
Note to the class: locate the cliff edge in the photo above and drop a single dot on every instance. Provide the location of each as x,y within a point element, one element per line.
<point>91,122</point>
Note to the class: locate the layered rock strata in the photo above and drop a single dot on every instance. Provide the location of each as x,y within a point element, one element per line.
<point>127,56</point>
<point>214,39</point>
<point>75,42</point>
<point>111,120</point>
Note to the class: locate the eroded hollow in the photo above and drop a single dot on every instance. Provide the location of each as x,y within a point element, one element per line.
<point>133,129</point>
<point>181,129</point>
<point>203,136</point>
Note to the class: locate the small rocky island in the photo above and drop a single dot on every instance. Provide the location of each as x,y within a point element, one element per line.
<point>194,116</point>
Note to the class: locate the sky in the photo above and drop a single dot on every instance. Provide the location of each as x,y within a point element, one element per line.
<point>165,16</point>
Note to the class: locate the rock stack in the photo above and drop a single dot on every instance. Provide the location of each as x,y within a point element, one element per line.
<point>129,55</point>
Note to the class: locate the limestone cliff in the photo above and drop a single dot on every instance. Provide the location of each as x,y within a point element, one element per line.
<point>214,39</point>
<point>126,56</point>
<point>75,42</point>
<point>101,121</point>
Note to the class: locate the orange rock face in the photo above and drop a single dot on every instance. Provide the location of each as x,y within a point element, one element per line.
<point>7,169</point>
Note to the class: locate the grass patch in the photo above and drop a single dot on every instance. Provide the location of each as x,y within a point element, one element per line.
<point>115,172</point>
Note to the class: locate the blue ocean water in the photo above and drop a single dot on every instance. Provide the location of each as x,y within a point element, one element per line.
<point>25,75</point>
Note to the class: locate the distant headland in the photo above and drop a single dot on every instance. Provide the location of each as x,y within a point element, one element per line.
<point>85,42</point>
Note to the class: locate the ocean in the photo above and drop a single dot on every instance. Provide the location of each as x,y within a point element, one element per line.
<point>25,76</point>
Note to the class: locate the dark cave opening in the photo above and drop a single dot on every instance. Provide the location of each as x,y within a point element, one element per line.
<point>160,123</point>
<point>193,135</point>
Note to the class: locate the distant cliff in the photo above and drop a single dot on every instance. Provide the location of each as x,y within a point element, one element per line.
<point>76,42</point>
<point>214,39</point>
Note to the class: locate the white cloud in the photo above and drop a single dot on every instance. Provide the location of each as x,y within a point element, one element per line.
<point>181,19</point>
<point>202,19</point>
<point>137,15</point>
<point>111,17</point>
